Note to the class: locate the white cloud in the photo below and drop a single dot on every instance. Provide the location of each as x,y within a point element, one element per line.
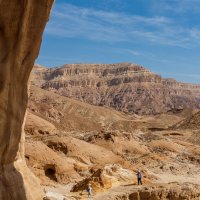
<point>195,33</point>
<point>134,53</point>
<point>76,22</point>
<point>176,6</point>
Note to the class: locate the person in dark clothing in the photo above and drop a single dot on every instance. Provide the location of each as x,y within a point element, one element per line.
<point>89,190</point>
<point>139,177</point>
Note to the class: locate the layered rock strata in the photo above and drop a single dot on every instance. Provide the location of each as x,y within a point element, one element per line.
<point>171,191</point>
<point>21,26</point>
<point>126,87</point>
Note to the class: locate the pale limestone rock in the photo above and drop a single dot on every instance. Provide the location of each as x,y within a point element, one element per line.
<point>21,26</point>
<point>106,178</point>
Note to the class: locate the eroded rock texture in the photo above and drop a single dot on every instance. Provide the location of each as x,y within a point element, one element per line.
<point>124,86</point>
<point>21,26</point>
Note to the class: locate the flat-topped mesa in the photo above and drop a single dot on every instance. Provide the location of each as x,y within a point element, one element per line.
<point>21,27</point>
<point>126,87</point>
<point>93,74</point>
<point>110,74</point>
<point>98,69</point>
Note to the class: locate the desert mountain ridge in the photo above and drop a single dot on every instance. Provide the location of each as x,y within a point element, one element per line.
<point>126,87</point>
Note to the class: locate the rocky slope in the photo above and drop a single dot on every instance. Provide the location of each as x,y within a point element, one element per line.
<point>72,115</point>
<point>21,27</point>
<point>126,87</point>
<point>171,191</point>
<point>73,143</point>
<point>192,122</point>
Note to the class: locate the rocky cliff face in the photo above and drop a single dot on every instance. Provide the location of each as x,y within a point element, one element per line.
<point>21,26</point>
<point>126,87</point>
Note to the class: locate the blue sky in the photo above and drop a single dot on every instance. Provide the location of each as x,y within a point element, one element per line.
<point>162,35</point>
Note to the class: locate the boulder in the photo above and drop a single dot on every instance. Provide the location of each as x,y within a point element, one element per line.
<point>106,178</point>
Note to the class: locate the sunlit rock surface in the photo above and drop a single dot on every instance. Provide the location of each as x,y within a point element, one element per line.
<point>126,87</point>
<point>21,26</point>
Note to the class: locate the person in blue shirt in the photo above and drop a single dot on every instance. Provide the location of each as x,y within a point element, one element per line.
<point>139,177</point>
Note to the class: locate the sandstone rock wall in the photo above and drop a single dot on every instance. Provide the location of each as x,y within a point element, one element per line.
<point>21,26</point>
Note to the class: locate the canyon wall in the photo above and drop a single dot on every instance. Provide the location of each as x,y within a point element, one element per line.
<point>21,26</point>
<point>126,87</point>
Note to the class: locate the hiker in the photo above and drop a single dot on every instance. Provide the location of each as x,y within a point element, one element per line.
<point>89,190</point>
<point>139,177</point>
